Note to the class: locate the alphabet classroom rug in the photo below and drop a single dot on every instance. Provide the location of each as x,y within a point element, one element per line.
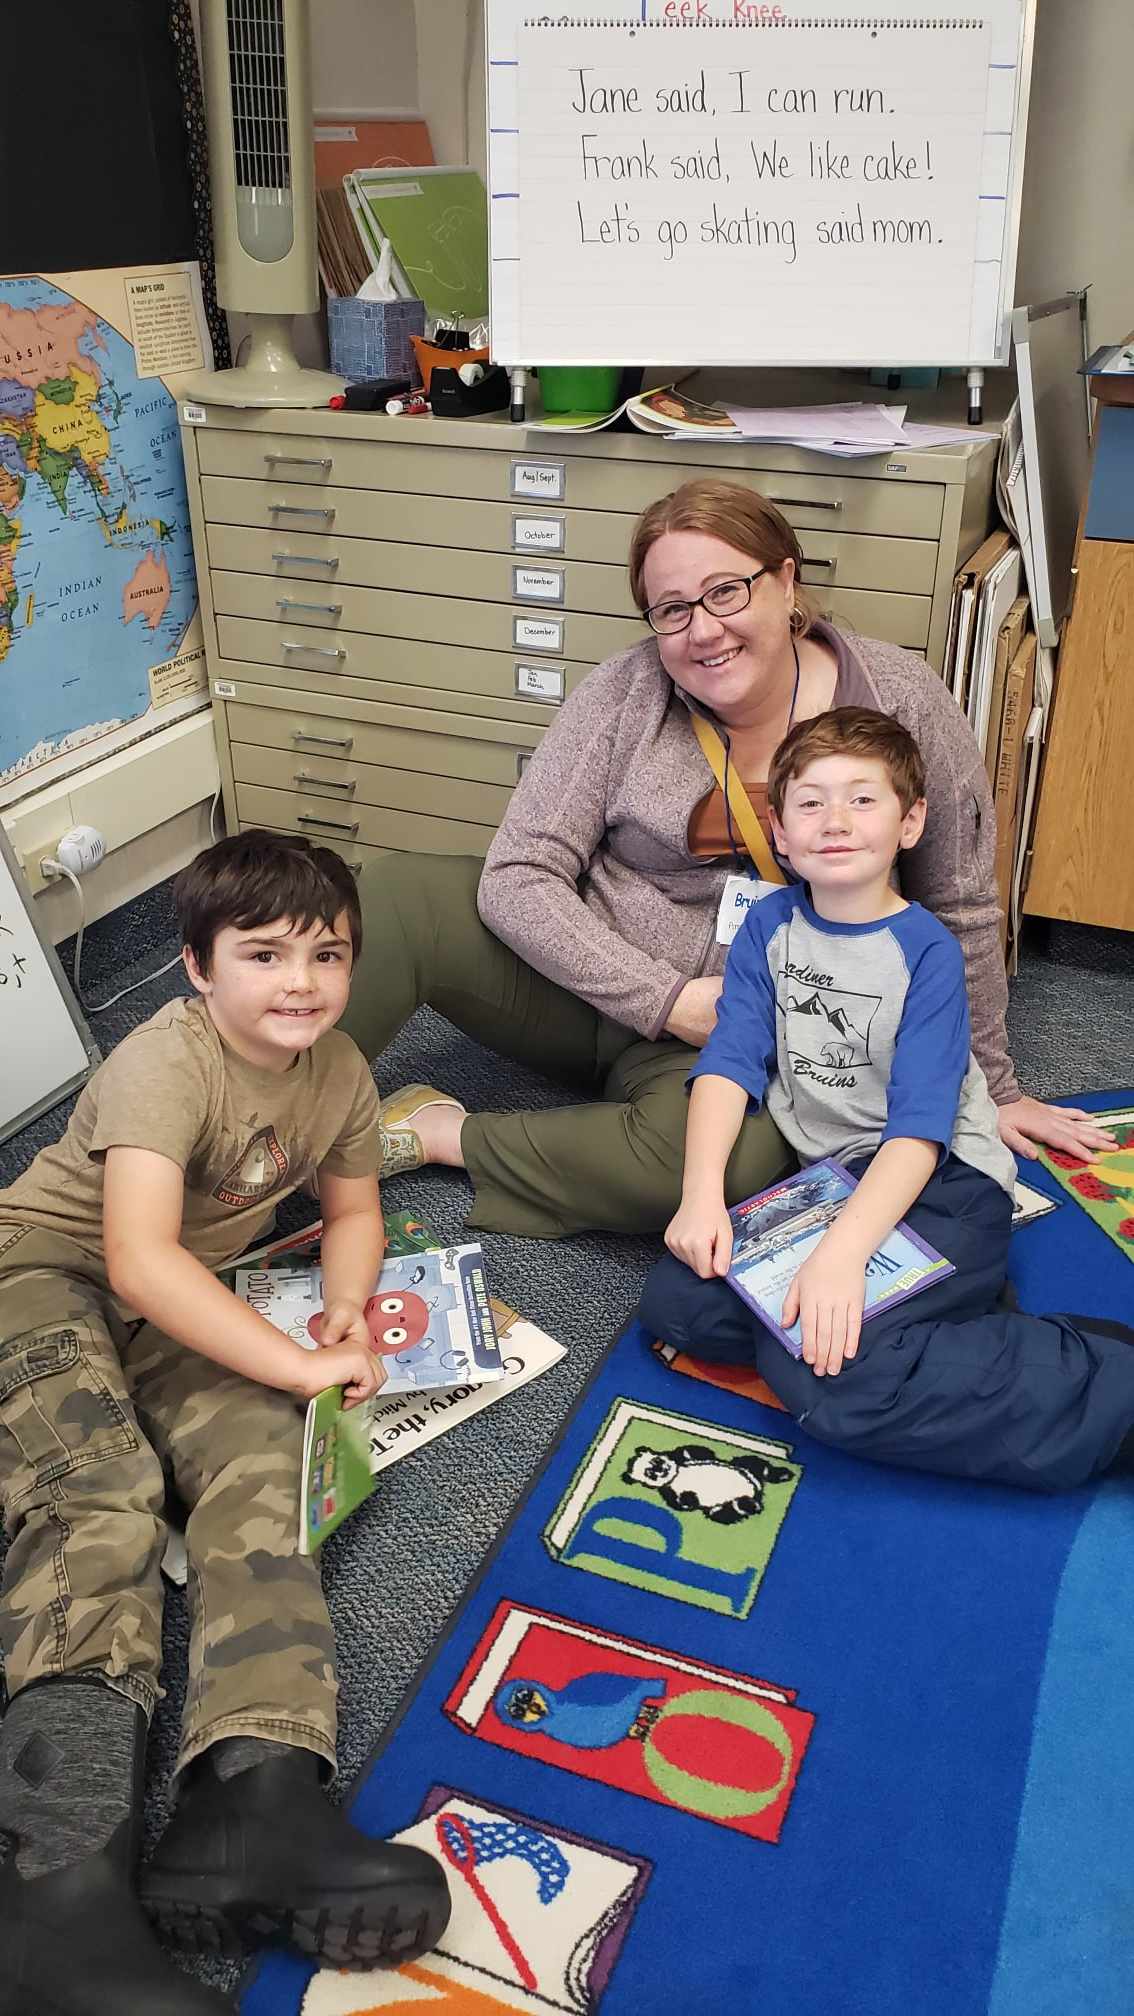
<point>858,1744</point>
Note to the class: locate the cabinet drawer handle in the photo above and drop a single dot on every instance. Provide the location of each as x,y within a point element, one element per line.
<point>333,825</point>
<point>327,783</point>
<point>808,503</point>
<point>355,867</point>
<point>303,511</point>
<point>345,742</point>
<point>811,560</point>
<point>315,650</point>
<point>309,608</point>
<point>299,461</point>
<point>305,560</point>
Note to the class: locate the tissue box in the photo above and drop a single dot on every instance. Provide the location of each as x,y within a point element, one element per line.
<point>371,339</point>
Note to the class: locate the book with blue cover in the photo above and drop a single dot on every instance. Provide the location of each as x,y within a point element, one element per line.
<point>777,1230</point>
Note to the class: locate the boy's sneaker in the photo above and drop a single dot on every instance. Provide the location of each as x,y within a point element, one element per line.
<point>264,1856</point>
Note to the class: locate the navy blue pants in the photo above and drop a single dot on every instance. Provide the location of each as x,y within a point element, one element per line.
<point>949,1381</point>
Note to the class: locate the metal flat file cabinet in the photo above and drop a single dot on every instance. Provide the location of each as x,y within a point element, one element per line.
<point>395,608</point>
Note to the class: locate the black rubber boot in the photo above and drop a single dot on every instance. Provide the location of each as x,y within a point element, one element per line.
<point>76,1942</point>
<point>265,1856</point>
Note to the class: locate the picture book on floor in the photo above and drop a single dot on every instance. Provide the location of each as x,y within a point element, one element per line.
<point>346,1448</point>
<point>1104,1185</point>
<point>429,1316</point>
<point>775,1232</point>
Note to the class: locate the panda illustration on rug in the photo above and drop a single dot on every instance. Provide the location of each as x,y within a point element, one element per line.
<point>695,1479</point>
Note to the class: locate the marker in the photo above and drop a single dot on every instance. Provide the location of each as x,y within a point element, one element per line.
<point>517,411</point>
<point>414,402</point>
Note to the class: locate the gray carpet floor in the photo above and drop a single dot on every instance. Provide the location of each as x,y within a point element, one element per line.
<point>397,1570</point>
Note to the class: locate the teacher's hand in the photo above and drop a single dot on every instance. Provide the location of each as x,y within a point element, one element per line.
<point>1026,1122</point>
<point>693,1016</point>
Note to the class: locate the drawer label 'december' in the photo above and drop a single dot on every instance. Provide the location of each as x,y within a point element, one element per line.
<point>538,633</point>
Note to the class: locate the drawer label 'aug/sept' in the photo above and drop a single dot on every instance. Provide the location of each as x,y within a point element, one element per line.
<point>538,479</point>
<point>538,535</point>
<point>538,633</point>
<point>540,682</point>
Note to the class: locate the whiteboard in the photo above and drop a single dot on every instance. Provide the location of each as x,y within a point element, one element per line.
<point>771,189</point>
<point>46,1049</point>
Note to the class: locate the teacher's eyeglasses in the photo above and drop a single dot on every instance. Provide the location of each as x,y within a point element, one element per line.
<point>724,598</point>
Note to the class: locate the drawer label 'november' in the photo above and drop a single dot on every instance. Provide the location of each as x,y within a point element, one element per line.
<point>540,682</point>
<point>538,535</point>
<point>538,633</point>
<point>538,479</point>
<point>537,584</point>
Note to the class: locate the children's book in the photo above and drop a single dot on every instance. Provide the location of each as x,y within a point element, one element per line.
<point>1104,1185</point>
<point>663,411</point>
<point>344,1449</point>
<point>429,1316</point>
<point>776,1231</point>
<point>1029,1203</point>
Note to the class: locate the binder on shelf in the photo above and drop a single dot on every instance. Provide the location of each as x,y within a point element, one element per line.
<point>967,587</point>
<point>1012,774</point>
<point>1009,638</point>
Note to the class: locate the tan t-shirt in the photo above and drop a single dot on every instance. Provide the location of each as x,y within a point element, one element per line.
<point>245,1137</point>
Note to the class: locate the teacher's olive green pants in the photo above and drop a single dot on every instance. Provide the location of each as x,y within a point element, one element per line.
<point>613,1165</point>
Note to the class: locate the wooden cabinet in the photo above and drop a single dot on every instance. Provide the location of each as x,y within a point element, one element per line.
<point>1082,860</point>
<point>395,608</point>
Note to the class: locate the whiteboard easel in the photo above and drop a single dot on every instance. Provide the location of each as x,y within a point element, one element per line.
<point>46,1049</point>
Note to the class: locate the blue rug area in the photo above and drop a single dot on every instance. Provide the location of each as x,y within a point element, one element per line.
<point>857,1744</point>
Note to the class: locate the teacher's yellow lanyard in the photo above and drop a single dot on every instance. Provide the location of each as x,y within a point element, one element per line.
<point>740,804</point>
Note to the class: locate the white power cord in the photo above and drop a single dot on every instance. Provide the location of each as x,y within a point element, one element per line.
<point>51,869</point>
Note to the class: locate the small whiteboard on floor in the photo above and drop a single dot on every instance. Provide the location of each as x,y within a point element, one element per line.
<point>46,1049</point>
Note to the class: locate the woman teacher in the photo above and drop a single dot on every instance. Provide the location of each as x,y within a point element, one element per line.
<point>592,943</point>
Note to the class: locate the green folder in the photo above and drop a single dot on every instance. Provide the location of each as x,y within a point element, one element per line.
<point>437,222</point>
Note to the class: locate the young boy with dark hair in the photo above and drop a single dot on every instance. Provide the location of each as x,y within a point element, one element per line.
<point>844,1008</point>
<point>122,1358</point>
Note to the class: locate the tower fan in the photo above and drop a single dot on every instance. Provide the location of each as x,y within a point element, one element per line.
<point>257,84</point>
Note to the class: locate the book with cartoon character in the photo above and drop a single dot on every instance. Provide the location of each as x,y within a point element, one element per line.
<point>431,1322</point>
<point>429,1316</point>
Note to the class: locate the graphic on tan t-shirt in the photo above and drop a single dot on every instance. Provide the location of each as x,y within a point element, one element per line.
<point>258,1170</point>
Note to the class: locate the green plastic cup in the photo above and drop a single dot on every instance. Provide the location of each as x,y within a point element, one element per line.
<point>579,388</point>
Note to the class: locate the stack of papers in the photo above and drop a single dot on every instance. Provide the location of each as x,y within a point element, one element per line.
<point>857,428</point>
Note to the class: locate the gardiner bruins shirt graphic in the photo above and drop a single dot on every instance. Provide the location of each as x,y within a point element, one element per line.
<point>259,1169</point>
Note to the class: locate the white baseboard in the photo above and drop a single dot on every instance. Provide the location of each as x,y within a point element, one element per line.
<point>150,803</point>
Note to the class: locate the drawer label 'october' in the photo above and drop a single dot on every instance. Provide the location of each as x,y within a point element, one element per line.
<point>540,682</point>
<point>538,535</point>
<point>538,633</point>
<point>538,479</point>
<point>537,584</point>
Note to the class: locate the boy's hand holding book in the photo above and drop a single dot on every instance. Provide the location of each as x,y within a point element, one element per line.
<point>826,1297</point>
<point>344,1356</point>
<point>700,1233</point>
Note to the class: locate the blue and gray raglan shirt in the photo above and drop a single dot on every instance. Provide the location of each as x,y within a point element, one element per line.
<point>854,1034</point>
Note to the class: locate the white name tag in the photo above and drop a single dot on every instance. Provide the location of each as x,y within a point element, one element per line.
<point>739,894</point>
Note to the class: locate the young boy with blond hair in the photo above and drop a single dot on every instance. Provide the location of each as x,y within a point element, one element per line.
<point>123,1358</point>
<point>844,1010</point>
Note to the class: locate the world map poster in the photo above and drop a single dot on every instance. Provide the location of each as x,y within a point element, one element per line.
<point>100,630</point>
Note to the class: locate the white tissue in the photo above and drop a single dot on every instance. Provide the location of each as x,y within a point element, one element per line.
<point>379,286</point>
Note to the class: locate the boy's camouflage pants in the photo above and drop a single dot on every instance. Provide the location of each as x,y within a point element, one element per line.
<point>91,1408</point>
